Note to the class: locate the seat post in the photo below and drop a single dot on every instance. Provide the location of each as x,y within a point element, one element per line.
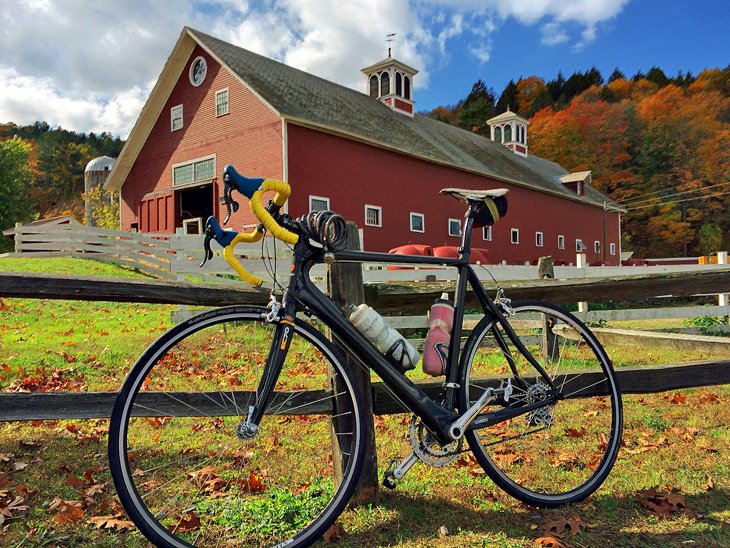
<point>466,233</point>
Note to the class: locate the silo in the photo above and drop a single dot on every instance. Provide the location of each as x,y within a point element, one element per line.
<point>95,174</point>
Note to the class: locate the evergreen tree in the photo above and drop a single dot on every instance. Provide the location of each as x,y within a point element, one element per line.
<point>477,108</point>
<point>508,99</point>
<point>657,76</point>
<point>616,75</point>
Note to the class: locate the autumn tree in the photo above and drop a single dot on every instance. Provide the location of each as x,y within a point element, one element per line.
<point>15,172</point>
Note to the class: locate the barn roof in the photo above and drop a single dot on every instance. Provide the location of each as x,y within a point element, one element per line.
<point>306,99</point>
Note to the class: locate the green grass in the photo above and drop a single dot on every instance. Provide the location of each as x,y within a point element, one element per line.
<point>669,442</point>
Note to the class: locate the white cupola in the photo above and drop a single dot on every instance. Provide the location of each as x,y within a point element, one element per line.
<point>391,82</point>
<point>510,129</point>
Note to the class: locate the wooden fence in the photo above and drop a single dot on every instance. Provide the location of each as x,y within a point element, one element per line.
<point>385,297</point>
<point>178,256</point>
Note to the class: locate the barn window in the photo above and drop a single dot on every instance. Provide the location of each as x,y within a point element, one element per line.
<point>202,169</point>
<point>487,233</point>
<point>221,102</point>
<point>515,235</point>
<point>384,83</point>
<point>373,215</point>
<point>561,242</point>
<point>373,86</point>
<point>497,134</point>
<point>176,118</point>
<point>612,249</point>
<point>538,239</point>
<point>580,247</point>
<point>406,87</point>
<point>454,227</point>
<point>596,246</point>
<point>417,222</point>
<point>318,203</point>
<point>398,84</point>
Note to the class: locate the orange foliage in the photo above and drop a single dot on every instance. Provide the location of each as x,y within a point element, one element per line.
<point>621,88</point>
<point>527,90</point>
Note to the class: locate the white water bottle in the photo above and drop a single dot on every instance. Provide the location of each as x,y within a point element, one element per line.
<point>385,338</point>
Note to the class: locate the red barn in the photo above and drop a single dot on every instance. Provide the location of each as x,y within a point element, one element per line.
<point>365,156</point>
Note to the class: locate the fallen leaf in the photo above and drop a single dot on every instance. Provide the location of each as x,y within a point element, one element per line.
<point>562,525</point>
<point>69,514</point>
<point>111,522</point>
<point>334,533</point>
<point>709,483</point>
<point>550,542</point>
<point>192,523</point>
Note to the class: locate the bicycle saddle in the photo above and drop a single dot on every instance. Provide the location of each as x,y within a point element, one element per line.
<point>476,195</point>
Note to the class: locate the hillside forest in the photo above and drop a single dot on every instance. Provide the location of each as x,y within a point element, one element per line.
<point>658,146</point>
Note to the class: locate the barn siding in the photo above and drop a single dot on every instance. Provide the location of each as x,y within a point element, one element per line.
<point>249,137</point>
<point>352,174</point>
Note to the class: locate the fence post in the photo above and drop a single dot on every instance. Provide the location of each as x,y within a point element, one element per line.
<point>345,285</point>
<point>546,269</point>
<point>722,298</point>
<point>18,237</point>
<point>581,262</point>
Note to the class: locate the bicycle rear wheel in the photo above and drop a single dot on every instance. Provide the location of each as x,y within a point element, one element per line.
<point>189,473</point>
<point>562,452</point>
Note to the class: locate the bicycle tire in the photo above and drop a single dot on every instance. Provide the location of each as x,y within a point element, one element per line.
<point>192,480</point>
<point>541,457</point>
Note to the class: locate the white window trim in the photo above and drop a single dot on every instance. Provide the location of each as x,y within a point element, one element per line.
<point>596,246</point>
<point>228,102</point>
<point>458,222</point>
<point>539,239</point>
<point>172,118</point>
<point>561,241</point>
<point>323,198</point>
<point>514,236</point>
<point>612,249</point>
<point>487,233</point>
<point>423,221</point>
<point>193,161</point>
<point>380,215</point>
<point>578,244</point>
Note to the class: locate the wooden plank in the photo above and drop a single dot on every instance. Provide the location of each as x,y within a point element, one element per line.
<point>408,299</point>
<point>631,380</point>
<point>102,288</point>
<point>98,405</point>
<point>87,405</point>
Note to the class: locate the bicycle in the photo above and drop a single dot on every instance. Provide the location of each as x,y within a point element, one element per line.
<point>241,425</point>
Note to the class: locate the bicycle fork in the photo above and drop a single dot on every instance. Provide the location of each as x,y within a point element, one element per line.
<point>280,342</point>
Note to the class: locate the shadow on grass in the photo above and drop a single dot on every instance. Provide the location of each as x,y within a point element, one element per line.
<point>416,520</point>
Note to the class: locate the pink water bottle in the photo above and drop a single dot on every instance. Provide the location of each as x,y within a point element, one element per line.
<point>435,349</point>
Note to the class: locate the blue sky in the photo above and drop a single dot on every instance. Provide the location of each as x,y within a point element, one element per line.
<point>89,66</point>
<point>671,34</point>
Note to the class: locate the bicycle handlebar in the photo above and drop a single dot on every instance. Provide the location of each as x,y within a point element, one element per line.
<point>253,189</point>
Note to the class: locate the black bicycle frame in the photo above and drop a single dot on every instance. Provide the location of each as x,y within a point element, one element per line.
<point>302,294</point>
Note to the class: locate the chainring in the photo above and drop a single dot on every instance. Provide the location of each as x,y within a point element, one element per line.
<point>430,451</point>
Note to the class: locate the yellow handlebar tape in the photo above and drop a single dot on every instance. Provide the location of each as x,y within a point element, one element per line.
<point>283,191</point>
<point>230,258</point>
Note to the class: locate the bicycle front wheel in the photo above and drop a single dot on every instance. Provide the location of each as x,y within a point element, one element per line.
<point>190,470</point>
<point>558,453</point>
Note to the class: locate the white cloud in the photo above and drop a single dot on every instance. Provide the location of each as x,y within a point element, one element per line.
<point>553,34</point>
<point>90,65</point>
